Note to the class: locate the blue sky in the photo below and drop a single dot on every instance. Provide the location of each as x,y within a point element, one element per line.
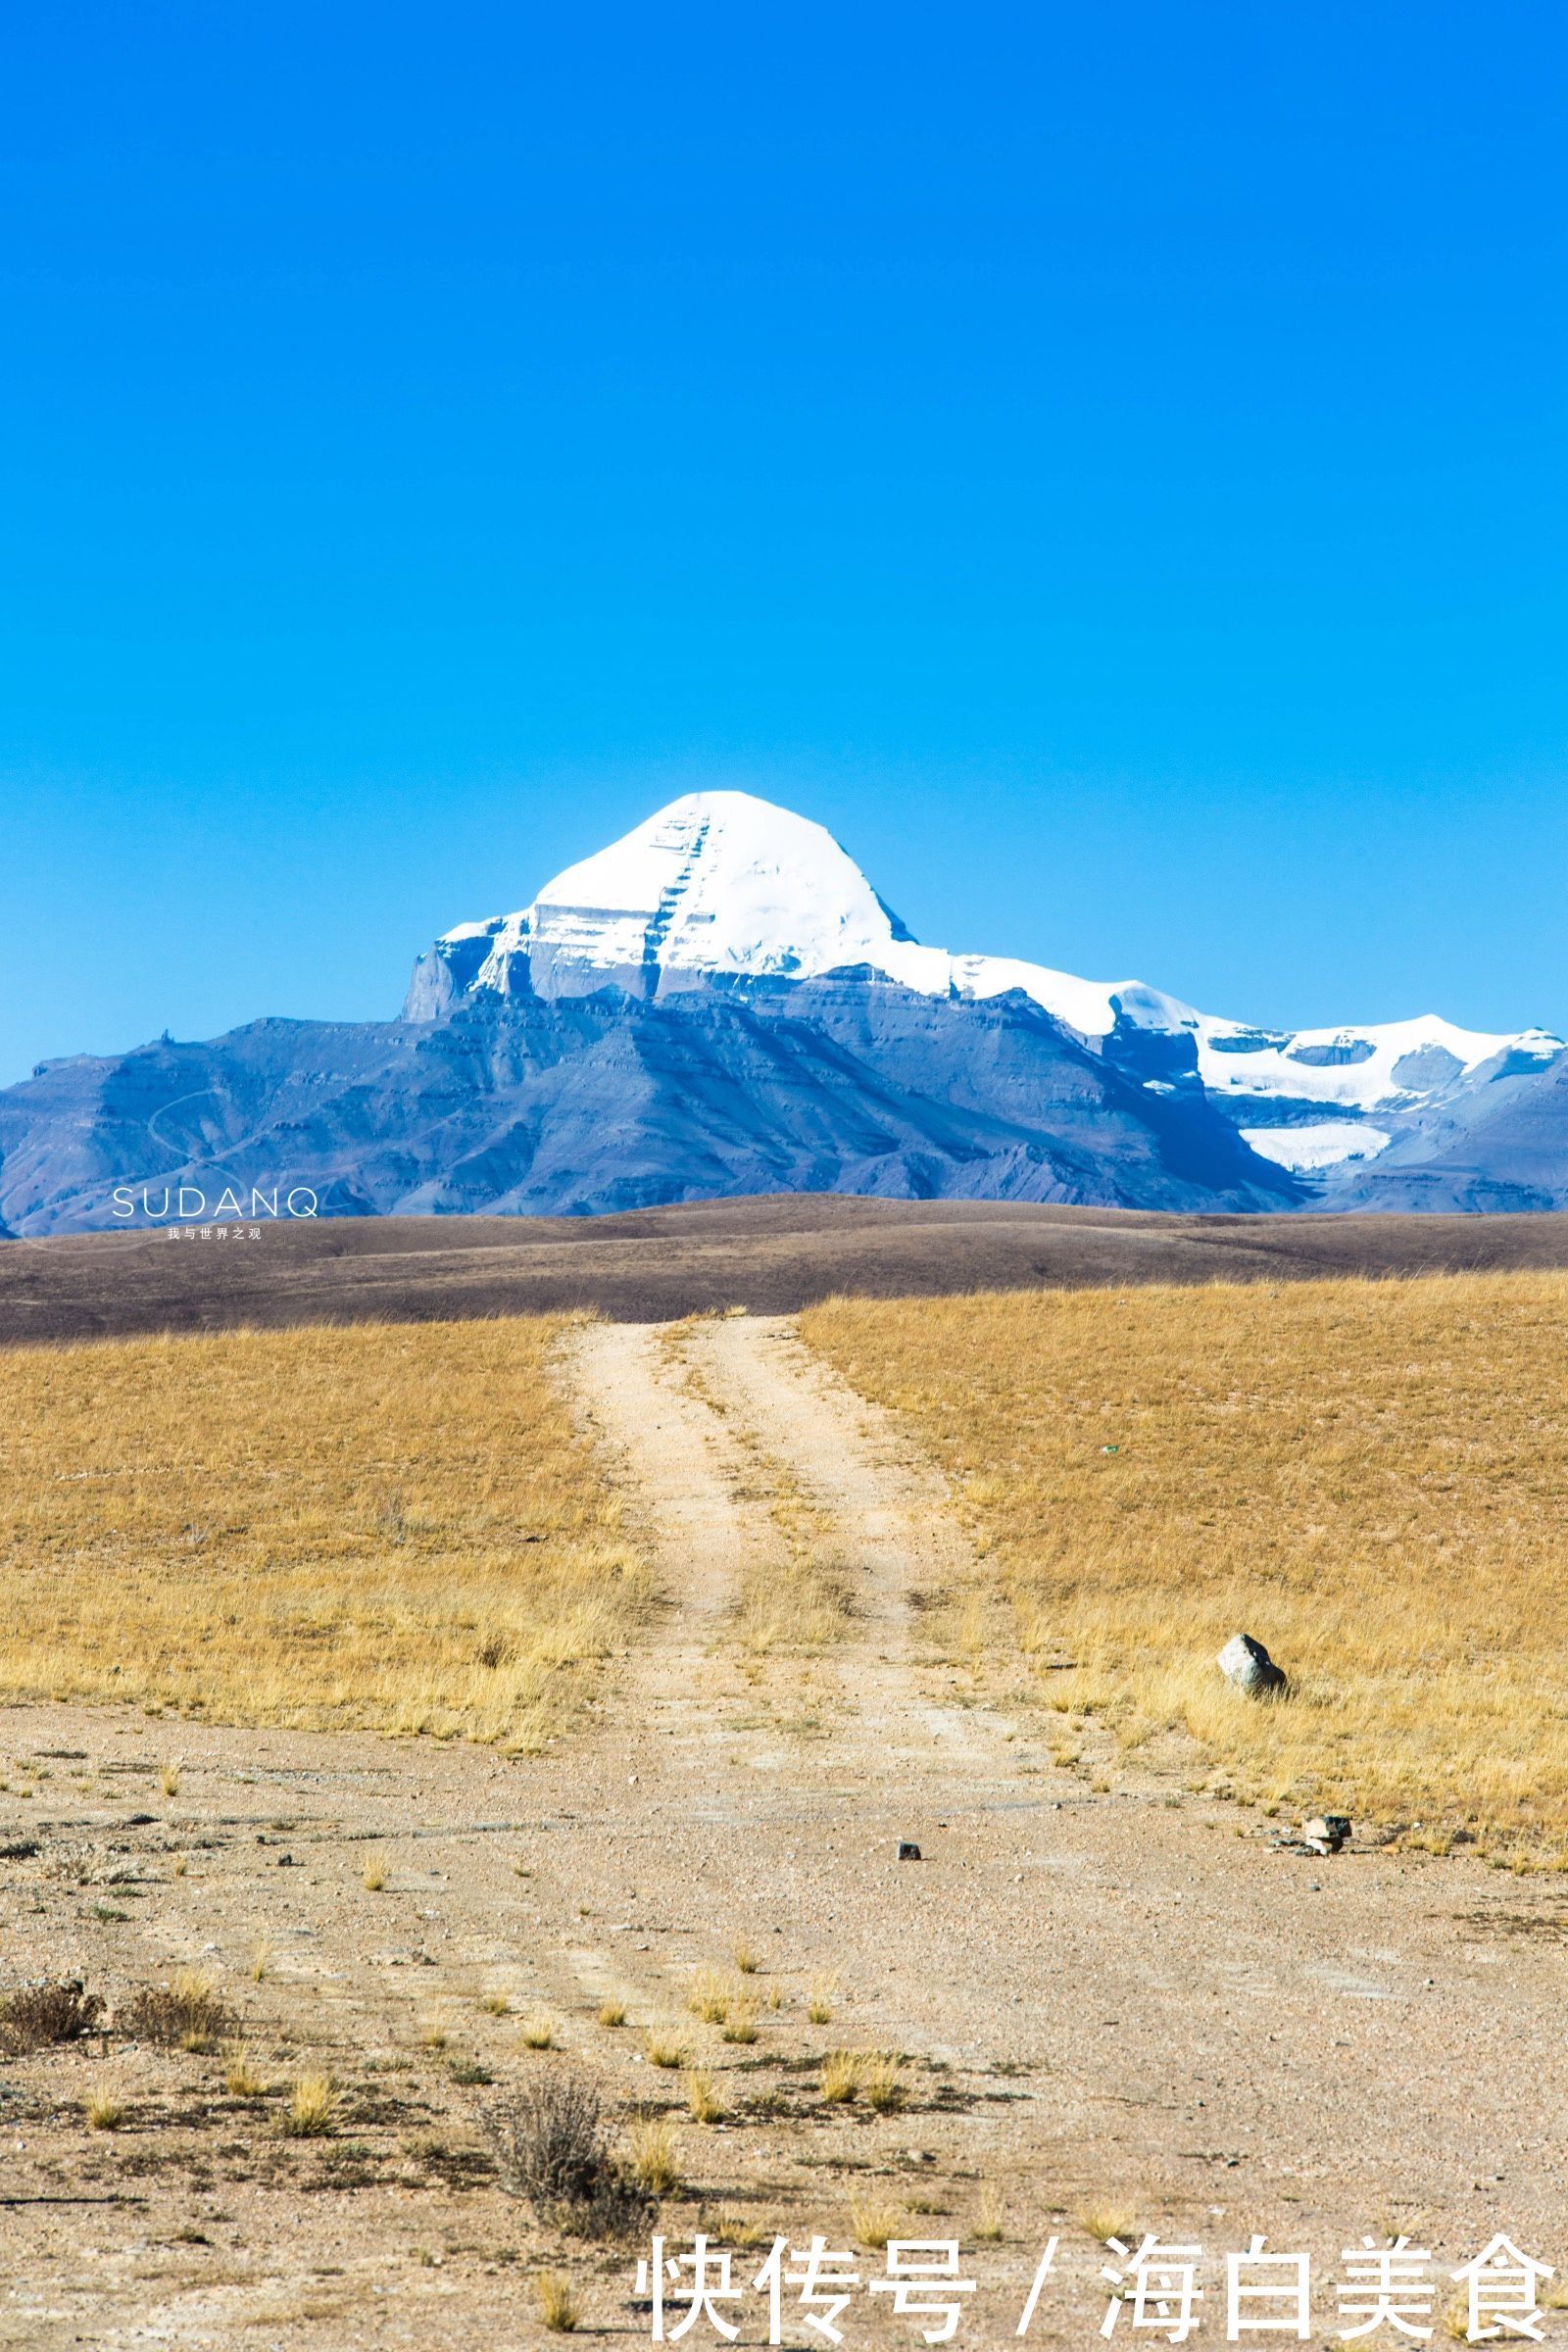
<point>1104,461</point>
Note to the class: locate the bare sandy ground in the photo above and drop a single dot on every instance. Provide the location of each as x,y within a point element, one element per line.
<point>1115,2001</point>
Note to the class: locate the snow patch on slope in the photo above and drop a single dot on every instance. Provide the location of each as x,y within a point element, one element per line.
<point>1329,1144</point>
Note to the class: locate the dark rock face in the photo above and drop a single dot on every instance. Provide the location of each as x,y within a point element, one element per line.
<point>586,1102</point>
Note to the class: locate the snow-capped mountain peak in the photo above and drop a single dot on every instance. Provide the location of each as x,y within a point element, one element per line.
<point>726,887</point>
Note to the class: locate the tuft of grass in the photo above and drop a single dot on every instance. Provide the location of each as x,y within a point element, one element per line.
<point>1104,2221</point>
<point>841,2076</point>
<point>240,2077</point>
<point>261,1959</point>
<point>1367,1475</point>
<point>311,2107</point>
<point>169,1779</point>
<point>708,1996</point>
<point>990,2221</point>
<point>496,2004</point>
<point>746,1959</point>
<point>655,2156</point>
<point>187,2013</point>
<point>433,2035</point>
<point>882,2082</point>
<point>439,1616</point>
<point>469,2071</point>
<point>664,2050</point>
<point>741,2024</point>
<point>732,2228</point>
<point>704,2103</point>
<point>874,2220</point>
<point>103,2110</point>
<point>557,2306</point>
<point>537,2032</point>
<point>373,1876</point>
<point>611,2013</point>
<point>821,2000</point>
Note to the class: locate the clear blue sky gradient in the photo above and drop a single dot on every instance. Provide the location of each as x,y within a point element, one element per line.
<point>1104,461</point>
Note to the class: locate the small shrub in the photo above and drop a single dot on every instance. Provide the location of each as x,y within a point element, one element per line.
<point>820,2001</point>
<point>496,2004</point>
<point>170,1779</point>
<point>186,2015</point>
<point>703,2104</point>
<point>613,2013</point>
<point>655,2156</point>
<point>432,2036</point>
<point>664,2050</point>
<point>746,1960</point>
<point>734,2228</point>
<point>38,2015</point>
<point>469,2071</point>
<point>553,2147</point>
<point>311,2107</point>
<point>558,2307</point>
<point>103,2110</point>
<point>537,2033</point>
<point>373,1876</point>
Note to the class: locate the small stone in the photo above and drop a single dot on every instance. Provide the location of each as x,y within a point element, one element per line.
<point>1247,1666</point>
<point>1326,1833</point>
<point>908,1851</point>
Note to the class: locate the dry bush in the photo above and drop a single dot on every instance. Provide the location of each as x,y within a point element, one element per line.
<point>36,2014</point>
<point>1370,1477</point>
<point>741,2023</point>
<point>553,2146</point>
<point>102,2109</point>
<point>821,2000</point>
<point>241,2080</point>
<point>611,2013</point>
<point>511,1580</point>
<point>664,2050</point>
<point>190,2014</point>
<point>537,2032</point>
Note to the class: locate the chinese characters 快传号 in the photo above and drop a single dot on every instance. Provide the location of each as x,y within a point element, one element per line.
<point>1158,2289</point>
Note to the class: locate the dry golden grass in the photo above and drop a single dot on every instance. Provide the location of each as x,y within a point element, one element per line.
<point>705,2102</point>
<point>1371,1478</point>
<point>311,2108</point>
<point>876,2219</point>
<point>655,2156</point>
<point>395,1526</point>
<point>558,2305</point>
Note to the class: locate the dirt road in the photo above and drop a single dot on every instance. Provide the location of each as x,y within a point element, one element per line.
<point>1117,2005</point>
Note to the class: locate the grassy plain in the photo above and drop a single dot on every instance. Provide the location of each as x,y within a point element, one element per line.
<point>1372,1478</point>
<point>392,1526</point>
